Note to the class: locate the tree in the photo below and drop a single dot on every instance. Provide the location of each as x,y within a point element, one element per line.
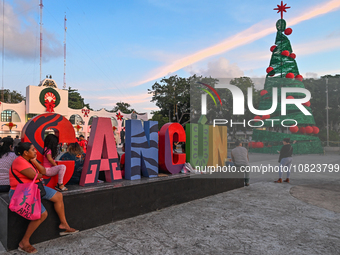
<point>283,72</point>
<point>172,96</point>
<point>157,116</point>
<point>123,107</point>
<point>75,100</point>
<point>11,96</point>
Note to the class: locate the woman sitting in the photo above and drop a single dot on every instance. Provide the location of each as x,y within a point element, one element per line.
<point>75,153</point>
<point>7,156</point>
<point>25,167</point>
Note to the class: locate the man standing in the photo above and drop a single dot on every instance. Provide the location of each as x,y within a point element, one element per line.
<point>82,142</point>
<point>122,136</point>
<point>17,140</point>
<point>239,155</point>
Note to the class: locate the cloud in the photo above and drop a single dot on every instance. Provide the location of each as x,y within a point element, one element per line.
<point>311,75</point>
<point>132,99</point>
<point>247,36</point>
<point>221,68</point>
<point>22,33</point>
<point>328,44</point>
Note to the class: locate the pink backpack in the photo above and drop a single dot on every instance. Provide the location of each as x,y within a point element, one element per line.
<point>26,200</point>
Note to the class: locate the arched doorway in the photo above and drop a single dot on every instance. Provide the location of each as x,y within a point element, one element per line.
<point>76,119</point>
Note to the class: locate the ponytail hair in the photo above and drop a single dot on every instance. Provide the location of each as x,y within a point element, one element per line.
<point>19,150</point>
<point>51,143</point>
<point>5,145</point>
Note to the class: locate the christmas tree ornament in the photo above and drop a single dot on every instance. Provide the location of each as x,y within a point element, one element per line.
<point>285,53</point>
<point>290,97</point>
<point>294,129</point>
<point>315,130</point>
<point>307,104</point>
<point>290,75</point>
<point>264,117</point>
<point>269,69</point>
<point>299,77</point>
<point>257,118</point>
<point>259,145</point>
<point>263,92</point>
<point>309,129</point>
<point>273,48</point>
<point>288,31</point>
<point>302,130</point>
<point>292,55</point>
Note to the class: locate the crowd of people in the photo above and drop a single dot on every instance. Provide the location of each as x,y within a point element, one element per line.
<point>18,162</point>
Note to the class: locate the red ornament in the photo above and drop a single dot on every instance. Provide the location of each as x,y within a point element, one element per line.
<point>86,112</point>
<point>315,130</point>
<point>250,145</point>
<point>114,128</point>
<point>302,130</point>
<point>299,77</point>
<point>10,125</point>
<point>309,129</point>
<point>257,118</point>
<point>264,117</point>
<point>254,144</point>
<point>263,92</point>
<point>285,53</point>
<point>273,48</point>
<point>259,145</point>
<point>290,97</point>
<point>269,69</point>
<point>78,127</point>
<point>290,75</point>
<point>119,116</point>
<point>307,104</point>
<point>293,129</point>
<point>288,31</point>
<point>292,55</point>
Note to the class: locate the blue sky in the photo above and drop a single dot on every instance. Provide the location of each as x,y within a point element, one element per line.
<point>116,50</point>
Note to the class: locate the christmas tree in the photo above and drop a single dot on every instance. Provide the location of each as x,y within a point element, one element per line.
<point>283,72</point>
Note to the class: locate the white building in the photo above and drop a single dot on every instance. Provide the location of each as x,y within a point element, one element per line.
<point>48,98</point>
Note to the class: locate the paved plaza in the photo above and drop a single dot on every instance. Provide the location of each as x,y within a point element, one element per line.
<point>302,217</point>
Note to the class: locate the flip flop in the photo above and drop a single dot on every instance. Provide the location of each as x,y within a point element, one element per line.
<point>28,249</point>
<point>67,232</point>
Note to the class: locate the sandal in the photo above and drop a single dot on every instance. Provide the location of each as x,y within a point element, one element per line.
<point>70,231</point>
<point>57,187</point>
<point>30,249</point>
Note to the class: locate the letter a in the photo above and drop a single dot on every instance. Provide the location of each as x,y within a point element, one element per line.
<point>101,154</point>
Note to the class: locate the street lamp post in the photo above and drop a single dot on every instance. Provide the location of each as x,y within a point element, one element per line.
<point>327,111</point>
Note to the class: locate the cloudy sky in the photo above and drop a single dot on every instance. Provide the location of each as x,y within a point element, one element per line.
<point>116,49</point>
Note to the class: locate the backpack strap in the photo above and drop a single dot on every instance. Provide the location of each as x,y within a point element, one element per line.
<point>16,177</point>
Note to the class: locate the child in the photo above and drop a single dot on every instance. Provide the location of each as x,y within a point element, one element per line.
<point>50,152</point>
<point>122,161</point>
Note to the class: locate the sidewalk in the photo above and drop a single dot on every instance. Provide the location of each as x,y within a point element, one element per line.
<point>302,217</point>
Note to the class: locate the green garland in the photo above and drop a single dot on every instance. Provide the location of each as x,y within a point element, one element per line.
<point>53,91</point>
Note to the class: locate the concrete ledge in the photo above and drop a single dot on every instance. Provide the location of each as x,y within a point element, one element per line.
<point>88,207</point>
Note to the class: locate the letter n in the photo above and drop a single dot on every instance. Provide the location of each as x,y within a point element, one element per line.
<point>218,145</point>
<point>101,154</point>
<point>169,161</point>
<point>141,149</point>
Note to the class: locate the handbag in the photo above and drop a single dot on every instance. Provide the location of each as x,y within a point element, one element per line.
<point>26,200</point>
<point>40,184</point>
